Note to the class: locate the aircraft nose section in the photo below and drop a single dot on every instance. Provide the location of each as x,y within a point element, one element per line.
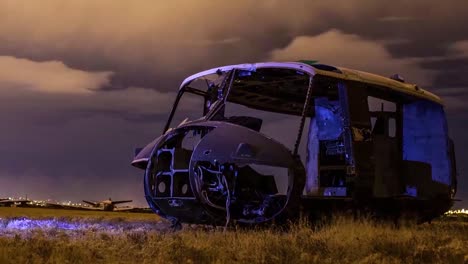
<point>204,173</point>
<point>167,184</point>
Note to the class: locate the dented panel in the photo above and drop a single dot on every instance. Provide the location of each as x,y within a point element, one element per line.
<point>233,143</point>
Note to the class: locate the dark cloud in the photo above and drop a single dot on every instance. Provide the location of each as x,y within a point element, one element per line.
<point>416,48</point>
<point>328,48</point>
<point>451,72</point>
<point>451,78</point>
<point>151,44</point>
<point>87,155</point>
<point>446,64</point>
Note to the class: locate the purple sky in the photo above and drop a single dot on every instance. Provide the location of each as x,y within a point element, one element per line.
<point>83,83</point>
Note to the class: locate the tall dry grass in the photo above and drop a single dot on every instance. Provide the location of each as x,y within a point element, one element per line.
<point>344,240</point>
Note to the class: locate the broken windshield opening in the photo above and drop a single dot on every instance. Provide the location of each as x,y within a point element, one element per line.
<point>197,98</point>
<point>269,101</point>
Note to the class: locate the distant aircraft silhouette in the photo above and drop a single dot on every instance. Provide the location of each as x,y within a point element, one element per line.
<point>106,205</point>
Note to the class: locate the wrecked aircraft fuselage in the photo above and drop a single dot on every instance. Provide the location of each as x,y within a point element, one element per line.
<point>272,140</point>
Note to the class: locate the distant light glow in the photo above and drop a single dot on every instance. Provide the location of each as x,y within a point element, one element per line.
<point>459,211</point>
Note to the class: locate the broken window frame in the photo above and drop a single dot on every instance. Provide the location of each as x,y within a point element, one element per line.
<point>305,105</point>
<point>205,94</point>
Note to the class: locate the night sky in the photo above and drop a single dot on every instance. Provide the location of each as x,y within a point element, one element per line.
<point>82,83</point>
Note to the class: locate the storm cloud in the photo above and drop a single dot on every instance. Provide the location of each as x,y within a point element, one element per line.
<point>151,44</point>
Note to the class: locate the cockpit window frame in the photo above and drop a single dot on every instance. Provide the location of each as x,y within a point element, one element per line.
<point>230,70</point>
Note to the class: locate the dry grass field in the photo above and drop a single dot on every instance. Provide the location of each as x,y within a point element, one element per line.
<point>62,236</point>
